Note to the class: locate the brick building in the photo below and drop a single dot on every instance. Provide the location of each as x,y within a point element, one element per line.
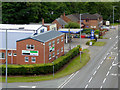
<point>41,48</point>
<point>87,20</point>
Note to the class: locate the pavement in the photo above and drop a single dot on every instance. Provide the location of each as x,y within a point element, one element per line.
<point>100,72</point>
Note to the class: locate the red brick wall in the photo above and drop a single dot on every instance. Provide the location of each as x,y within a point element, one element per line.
<point>11,59</point>
<point>21,45</point>
<point>58,25</point>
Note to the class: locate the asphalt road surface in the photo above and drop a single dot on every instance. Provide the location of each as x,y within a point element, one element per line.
<point>100,72</point>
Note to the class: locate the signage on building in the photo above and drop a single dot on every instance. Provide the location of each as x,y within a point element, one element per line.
<point>32,53</point>
<point>51,49</point>
<point>92,34</point>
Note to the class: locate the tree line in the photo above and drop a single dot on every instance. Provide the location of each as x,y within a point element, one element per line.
<point>33,12</point>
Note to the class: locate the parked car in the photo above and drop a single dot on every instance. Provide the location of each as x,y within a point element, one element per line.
<point>106,28</point>
<point>112,27</point>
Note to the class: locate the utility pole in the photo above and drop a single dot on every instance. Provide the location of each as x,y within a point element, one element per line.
<point>80,38</point>
<point>69,40</point>
<point>113,15</point>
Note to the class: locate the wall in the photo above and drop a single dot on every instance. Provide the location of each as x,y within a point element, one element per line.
<point>11,59</point>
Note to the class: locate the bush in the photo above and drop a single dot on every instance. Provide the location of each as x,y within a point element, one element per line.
<point>101,37</point>
<point>97,32</point>
<point>88,42</point>
<point>41,68</point>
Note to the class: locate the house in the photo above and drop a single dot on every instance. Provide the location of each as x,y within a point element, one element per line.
<point>41,48</point>
<point>87,20</point>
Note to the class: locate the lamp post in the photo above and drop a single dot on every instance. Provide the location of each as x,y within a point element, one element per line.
<point>6,59</point>
<point>80,38</point>
<point>53,68</point>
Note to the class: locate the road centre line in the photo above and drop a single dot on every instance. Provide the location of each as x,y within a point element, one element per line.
<point>105,57</point>
<point>110,68</point>
<point>86,86</point>
<point>107,73</point>
<point>101,62</point>
<point>98,67</point>
<point>90,79</point>
<point>101,87</point>
<point>68,80</point>
<point>94,73</point>
<point>104,80</point>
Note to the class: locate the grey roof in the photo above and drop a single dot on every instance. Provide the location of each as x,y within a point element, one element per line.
<point>72,18</point>
<point>61,21</point>
<point>44,37</point>
<point>12,38</point>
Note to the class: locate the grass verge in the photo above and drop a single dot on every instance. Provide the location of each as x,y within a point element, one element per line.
<point>72,66</point>
<point>99,43</point>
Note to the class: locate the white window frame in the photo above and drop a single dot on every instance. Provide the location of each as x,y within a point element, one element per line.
<point>30,47</point>
<point>33,58</point>
<point>54,54</point>
<point>58,52</point>
<point>61,49</point>
<point>53,42</point>
<point>25,59</point>
<point>9,54</point>
<point>49,44</point>
<point>61,39</point>
<point>50,56</point>
<point>14,54</point>
<point>2,55</point>
<point>58,41</point>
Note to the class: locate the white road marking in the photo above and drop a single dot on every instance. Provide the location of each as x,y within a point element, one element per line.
<point>67,81</point>
<point>86,86</point>
<point>101,87</point>
<point>110,68</point>
<point>112,62</point>
<point>90,79</point>
<point>104,80</point>
<point>101,62</point>
<point>113,74</point>
<point>110,38</point>
<point>94,73</point>
<point>33,86</point>
<point>107,73</point>
<point>25,86</point>
<point>98,67</point>
<point>104,57</point>
<point>116,36</point>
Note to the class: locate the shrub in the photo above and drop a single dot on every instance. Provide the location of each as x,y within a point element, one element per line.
<point>41,68</point>
<point>88,42</point>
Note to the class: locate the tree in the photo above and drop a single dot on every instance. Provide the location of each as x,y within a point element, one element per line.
<point>72,25</point>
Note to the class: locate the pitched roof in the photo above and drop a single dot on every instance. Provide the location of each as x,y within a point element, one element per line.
<point>44,37</point>
<point>61,21</point>
<point>73,18</point>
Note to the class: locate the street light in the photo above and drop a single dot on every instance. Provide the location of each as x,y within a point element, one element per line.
<point>53,68</point>
<point>80,38</point>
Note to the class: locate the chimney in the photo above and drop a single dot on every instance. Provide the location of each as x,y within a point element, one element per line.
<point>42,21</point>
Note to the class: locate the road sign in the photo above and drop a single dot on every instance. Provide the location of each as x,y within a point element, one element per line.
<point>80,49</point>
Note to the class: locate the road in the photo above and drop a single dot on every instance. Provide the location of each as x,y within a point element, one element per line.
<point>100,72</point>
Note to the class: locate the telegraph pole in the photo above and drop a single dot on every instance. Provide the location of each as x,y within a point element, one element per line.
<point>80,38</point>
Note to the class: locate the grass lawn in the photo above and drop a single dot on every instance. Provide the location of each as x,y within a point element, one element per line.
<point>99,43</point>
<point>72,66</point>
<point>115,24</point>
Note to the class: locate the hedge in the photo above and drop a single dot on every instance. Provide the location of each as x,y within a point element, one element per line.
<point>37,69</point>
<point>88,42</point>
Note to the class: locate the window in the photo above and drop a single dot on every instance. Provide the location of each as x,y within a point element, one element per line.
<point>61,49</point>
<point>57,52</point>
<point>61,39</point>
<point>33,59</point>
<point>9,54</point>
<point>2,55</point>
<point>30,46</point>
<point>14,54</point>
<point>49,56</point>
<point>53,43</point>
<point>57,41</point>
<point>41,31</point>
<point>26,59</point>
<point>53,54</point>
<point>50,44</point>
